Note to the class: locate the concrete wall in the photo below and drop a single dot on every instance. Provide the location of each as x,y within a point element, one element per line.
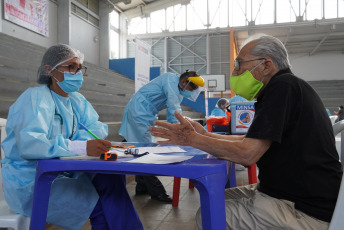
<point>322,66</point>
<point>85,37</point>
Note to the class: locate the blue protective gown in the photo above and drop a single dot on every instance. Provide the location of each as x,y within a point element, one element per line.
<point>237,98</point>
<point>36,132</point>
<point>217,112</point>
<point>145,104</point>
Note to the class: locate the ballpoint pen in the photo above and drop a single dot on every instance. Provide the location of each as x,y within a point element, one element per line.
<point>104,156</point>
<point>123,146</point>
<point>85,128</point>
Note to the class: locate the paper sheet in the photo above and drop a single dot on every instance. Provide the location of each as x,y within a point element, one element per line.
<point>151,150</point>
<point>161,149</point>
<point>160,159</point>
<point>119,153</point>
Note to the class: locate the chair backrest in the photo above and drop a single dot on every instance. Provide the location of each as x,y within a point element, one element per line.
<point>339,128</point>
<point>225,129</point>
<point>2,133</point>
<point>2,137</point>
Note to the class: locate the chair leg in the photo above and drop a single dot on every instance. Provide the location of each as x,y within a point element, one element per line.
<point>191,185</point>
<point>176,191</point>
<point>252,174</point>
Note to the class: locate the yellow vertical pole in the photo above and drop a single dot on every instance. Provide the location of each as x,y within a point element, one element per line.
<point>233,53</point>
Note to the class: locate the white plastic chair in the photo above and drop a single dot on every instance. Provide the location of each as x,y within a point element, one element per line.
<point>339,128</point>
<point>337,222</point>
<point>8,219</point>
<point>333,118</point>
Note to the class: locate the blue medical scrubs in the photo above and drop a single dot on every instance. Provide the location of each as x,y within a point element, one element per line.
<point>144,106</point>
<point>40,125</point>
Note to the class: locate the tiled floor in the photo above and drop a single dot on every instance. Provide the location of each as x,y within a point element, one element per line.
<point>161,216</point>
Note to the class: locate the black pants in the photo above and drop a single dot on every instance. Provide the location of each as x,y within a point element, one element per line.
<point>151,183</point>
<point>114,201</point>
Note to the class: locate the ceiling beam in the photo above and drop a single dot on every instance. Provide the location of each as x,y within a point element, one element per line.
<point>319,44</point>
<point>151,7</point>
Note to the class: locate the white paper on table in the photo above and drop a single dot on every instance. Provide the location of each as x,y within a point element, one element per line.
<point>121,154</point>
<point>160,149</point>
<point>160,159</point>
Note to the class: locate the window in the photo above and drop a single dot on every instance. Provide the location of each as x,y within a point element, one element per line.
<point>157,21</point>
<point>114,45</point>
<point>87,10</point>
<point>203,14</point>
<point>114,35</point>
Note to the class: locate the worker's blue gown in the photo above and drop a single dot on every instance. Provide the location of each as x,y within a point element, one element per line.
<point>40,125</point>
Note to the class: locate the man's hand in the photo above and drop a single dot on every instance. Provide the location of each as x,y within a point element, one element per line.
<point>198,127</point>
<point>98,146</point>
<point>177,133</point>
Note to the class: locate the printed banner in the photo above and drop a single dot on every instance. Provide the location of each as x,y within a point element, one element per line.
<point>142,64</point>
<point>31,14</point>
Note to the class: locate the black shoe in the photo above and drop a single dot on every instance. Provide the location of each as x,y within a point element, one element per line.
<point>140,191</point>
<point>163,197</point>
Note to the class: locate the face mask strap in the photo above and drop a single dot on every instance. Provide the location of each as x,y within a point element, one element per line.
<point>262,79</point>
<point>56,79</point>
<point>256,66</point>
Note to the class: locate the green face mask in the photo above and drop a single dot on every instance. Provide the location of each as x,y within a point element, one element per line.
<point>246,85</point>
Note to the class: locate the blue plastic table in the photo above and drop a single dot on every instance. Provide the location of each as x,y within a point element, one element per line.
<point>206,172</point>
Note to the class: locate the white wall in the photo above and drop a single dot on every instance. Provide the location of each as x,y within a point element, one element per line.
<point>321,66</point>
<point>30,36</point>
<point>83,39</point>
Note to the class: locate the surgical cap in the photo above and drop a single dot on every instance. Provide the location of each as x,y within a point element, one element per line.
<point>221,102</point>
<point>55,56</point>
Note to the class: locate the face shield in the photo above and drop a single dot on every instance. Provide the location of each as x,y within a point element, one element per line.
<point>195,82</point>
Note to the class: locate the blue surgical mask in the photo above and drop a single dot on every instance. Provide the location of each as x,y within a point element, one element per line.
<point>71,82</point>
<point>185,93</point>
<point>192,96</point>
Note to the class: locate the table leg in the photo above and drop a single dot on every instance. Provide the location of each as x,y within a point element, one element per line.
<point>41,199</point>
<point>211,189</point>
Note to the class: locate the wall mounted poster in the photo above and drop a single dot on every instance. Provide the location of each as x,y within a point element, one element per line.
<point>31,14</point>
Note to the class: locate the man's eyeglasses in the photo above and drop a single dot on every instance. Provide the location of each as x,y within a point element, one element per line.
<point>237,62</point>
<point>73,69</point>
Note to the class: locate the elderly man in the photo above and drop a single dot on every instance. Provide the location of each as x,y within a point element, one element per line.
<point>291,140</point>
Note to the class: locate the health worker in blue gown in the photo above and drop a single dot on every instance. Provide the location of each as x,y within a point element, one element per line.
<point>220,109</point>
<point>43,124</point>
<point>164,92</point>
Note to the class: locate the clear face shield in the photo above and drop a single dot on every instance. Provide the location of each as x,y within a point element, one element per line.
<point>192,95</point>
<point>195,82</point>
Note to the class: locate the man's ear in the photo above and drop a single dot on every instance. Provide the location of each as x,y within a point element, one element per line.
<point>269,67</point>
